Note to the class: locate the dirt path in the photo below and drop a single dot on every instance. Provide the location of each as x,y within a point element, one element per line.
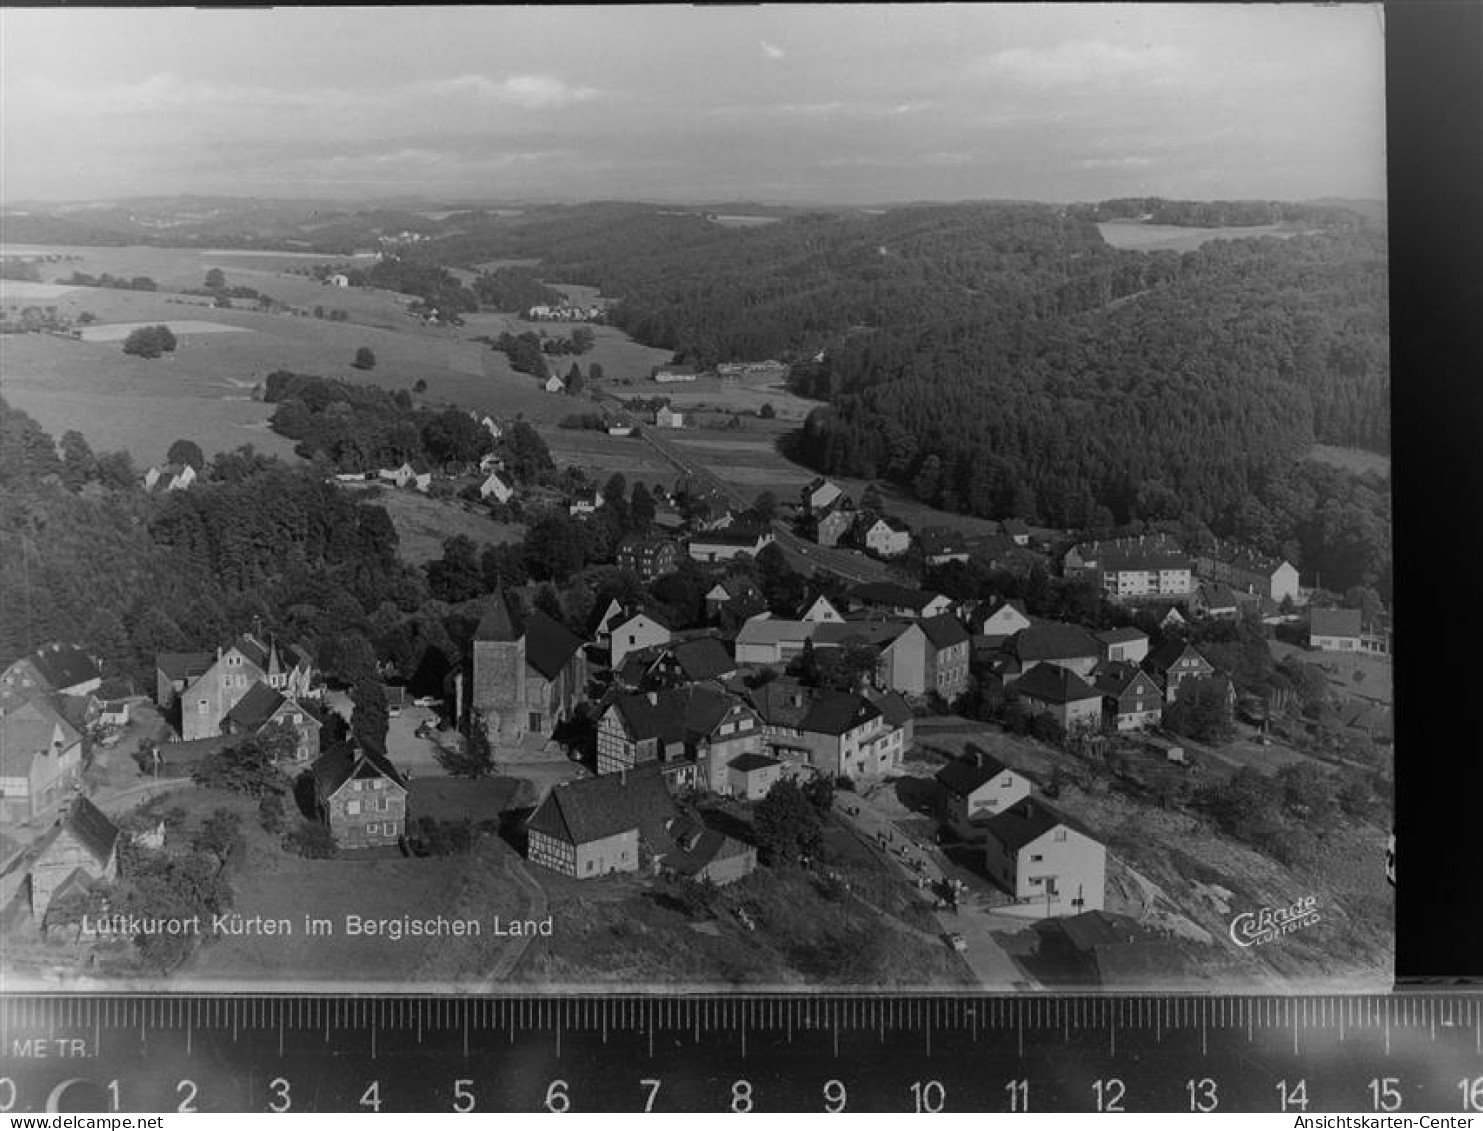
<point>515,949</point>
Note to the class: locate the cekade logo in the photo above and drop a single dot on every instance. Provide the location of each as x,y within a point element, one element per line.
<point>1252,928</point>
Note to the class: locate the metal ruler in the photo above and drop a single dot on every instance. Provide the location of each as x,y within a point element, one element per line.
<point>1363,1054</point>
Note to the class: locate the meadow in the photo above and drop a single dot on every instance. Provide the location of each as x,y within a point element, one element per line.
<point>1130,235</point>
<point>1354,460</point>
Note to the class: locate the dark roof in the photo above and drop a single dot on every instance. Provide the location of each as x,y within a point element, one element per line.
<point>677,715</point>
<point>64,665</point>
<point>1334,622</point>
<point>893,707</point>
<point>345,760</point>
<point>835,712</point>
<point>549,644</point>
<point>1053,640</point>
<point>871,633</point>
<point>963,775</point>
<point>781,702</point>
<point>746,763</point>
<point>1166,656</point>
<point>1144,964</point>
<point>889,593</point>
<point>1098,928</point>
<point>1116,677</point>
<point>695,848</point>
<point>1054,684</point>
<point>589,809</point>
<point>942,540</point>
<point>93,830</point>
<point>1143,558</point>
<point>1125,635</point>
<point>1014,526</point>
<point>944,631</point>
<point>255,708</point>
<point>501,621</point>
<point>705,658</point>
<point>1026,820</point>
<point>737,534</point>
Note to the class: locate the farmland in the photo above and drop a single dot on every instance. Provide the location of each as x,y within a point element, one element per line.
<point>1130,235</point>
<point>424,524</point>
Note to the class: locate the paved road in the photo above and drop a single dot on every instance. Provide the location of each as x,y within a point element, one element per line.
<point>975,921</point>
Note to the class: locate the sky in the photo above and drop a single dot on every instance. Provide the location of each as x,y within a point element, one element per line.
<point>854,104</point>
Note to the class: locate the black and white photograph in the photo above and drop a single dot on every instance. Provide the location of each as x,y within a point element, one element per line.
<point>548,500</point>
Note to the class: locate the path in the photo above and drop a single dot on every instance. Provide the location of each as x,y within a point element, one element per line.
<point>515,949</point>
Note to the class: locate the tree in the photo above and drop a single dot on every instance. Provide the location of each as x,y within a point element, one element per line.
<point>870,500</point>
<point>420,385</point>
<point>186,451</point>
<point>79,465</point>
<point>767,412</point>
<point>786,826</point>
<point>574,381</point>
<point>1202,711</point>
<point>583,340</point>
<point>364,358</point>
<point>149,342</point>
<point>457,575</point>
<point>215,279</point>
<point>476,757</point>
<point>641,509</point>
<point>594,373</point>
<point>371,717</point>
<point>765,506</point>
<point>246,768</point>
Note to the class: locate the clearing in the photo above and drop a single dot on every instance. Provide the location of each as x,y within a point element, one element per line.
<point>1356,460</point>
<point>1133,235</point>
<point>423,524</point>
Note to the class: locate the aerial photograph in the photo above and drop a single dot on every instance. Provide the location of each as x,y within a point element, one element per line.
<point>653,498</point>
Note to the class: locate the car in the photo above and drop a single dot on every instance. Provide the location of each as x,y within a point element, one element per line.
<point>394,712</point>
<point>426,701</point>
<point>957,942</point>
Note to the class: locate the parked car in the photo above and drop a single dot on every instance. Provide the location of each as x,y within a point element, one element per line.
<point>426,701</point>
<point>957,942</point>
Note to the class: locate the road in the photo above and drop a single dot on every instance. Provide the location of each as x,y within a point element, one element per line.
<point>975,920</point>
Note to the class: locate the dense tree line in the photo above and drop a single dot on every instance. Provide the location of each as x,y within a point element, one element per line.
<point>1217,213</point>
<point>434,285</point>
<point>514,289</point>
<point>113,282</point>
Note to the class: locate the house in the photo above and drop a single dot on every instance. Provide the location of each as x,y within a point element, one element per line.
<point>63,669</point>
<point>1335,630</point>
<point>670,374</point>
<point>489,424</point>
<point>820,611</point>
<point>730,590</point>
<point>338,280</point>
<point>1146,566</point>
<point>732,542</point>
<point>1054,642</point>
<point>263,706</point>
<point>819,495</point>
<point>494,487</point>
<point>666,417</point>
<point>1048,689</point>
<point>836,733</point>
<point>1173,619</point>
<point>82,850</point>
<point>1248,571</point>
<point>696,660</point>
<point>113,712</point>
<point>693,732</point>
<point>1015,530</point>
<point>1002,622</point>
<point>585,504</point>
<point>694,852</point>
<point>423,481</point>
<point>554,384</point>
<point>976,787</point>
<point>897,600</point>
<point>175,671</point>
<point>1045,859</point>
<point>1131,700</point>
<point>1126,643</point>
<point>1216,600</point>
<point>930,655</point>
<point>634,630</point>
<point>648,557</point>
<point>170,477</point>
<point>205,700</point>
<point>834,525</point>
<point>941,544</point>
<point>898,715</point>
<point>594,826</point>
<point>886,536</point>
<point>360,795</point>
<point>1175,662</point>
<point>40,758</point>
<point>765,639</point>
<point>528,671</point>
<point>750,776</point>
<point>397,476</point>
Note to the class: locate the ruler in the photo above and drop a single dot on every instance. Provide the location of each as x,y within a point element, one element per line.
<point>1380,1054</point>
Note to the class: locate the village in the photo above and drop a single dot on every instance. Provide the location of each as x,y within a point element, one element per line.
<point>985,782</point>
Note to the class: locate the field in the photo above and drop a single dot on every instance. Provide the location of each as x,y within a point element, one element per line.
<point>711,394</point>
<point>1350,459</point>
<point>424,524</point>
<point>1134,236</point>
<point>601,455</point>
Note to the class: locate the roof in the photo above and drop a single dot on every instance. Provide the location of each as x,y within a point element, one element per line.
<point>1335,622</point>
<point>772,630</point>
<point>502,620</point>
<point>1125,635</point>
<point>589,809</point>
<point>1052,683</point>
<point>1054,640</point>
<point>256,707</point>
<point>696,847</point>
<point>1098,928</point>
<point>1218,595</point>
<point>1027,820</point>
<point>64,665</point>
<point>942,540</point>
<point>747,763</point>
<point>93,830</point>
<point>892,706</point>
<point>1143,558</point>
<point>871,633</point>
<point>549,644</point>
<point>345,760</point>
<point>1013,526</point>
<point>889,593</point>
<point>1115,678</point>
<point>1167,655</point>
<point>781,702</point>
<point>963,775</point>
<point>676,715</point>
<point>836,712</point>
<point>944,631</point>
<point>734,535</point>
<point>1144,964</point>
<point>704,658</point>
<point>27,730</point>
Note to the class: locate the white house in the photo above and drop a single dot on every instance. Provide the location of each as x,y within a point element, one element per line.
<point>977,787</point>
<point>634,632</point>
<point>555,384</point>
<point>496,488</point>
<point>1044,860</point>
<point>399,476</point>
<point>666,417</point>
<point>887,537</point>
<point>821,611</point>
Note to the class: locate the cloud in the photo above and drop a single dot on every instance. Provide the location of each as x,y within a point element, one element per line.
<point>773,51</point>
<point>1085,62</point>
<point>529,92</point>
